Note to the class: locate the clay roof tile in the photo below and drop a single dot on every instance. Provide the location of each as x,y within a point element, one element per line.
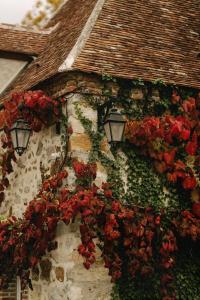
<point>19,39</point>
<point>154,39</point>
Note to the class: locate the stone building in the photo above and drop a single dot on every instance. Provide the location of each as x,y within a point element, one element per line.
<point>82,44</point>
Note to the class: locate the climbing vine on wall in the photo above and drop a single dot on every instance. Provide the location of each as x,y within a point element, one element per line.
<point>36,108</point>
<point>143,242</point>
<point>148,185</point>
<point>172,142</point>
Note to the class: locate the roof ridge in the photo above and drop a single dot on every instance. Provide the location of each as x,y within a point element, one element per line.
<point>83,37</point>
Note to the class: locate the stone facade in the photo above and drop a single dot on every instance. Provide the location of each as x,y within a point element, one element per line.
<point>61,274</point>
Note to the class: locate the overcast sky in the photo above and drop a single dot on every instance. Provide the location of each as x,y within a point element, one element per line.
<point>12,11</point>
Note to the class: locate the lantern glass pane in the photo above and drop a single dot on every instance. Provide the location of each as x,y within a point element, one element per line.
<point>23,136</point>
<point>114,126</point>
<point>14,138</point>
<point>26,138</point>
<point>107,131</point>
<point>117,130</point>
<point>20,138</point>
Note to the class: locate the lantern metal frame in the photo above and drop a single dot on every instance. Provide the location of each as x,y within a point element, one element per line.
<point>103,112</point>
<point>20,149</point>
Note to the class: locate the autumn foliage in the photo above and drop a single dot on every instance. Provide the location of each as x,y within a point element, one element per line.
<point>139,232</point>
<point>33,106</point>
<point>142,239</point>
<point>173,142</point>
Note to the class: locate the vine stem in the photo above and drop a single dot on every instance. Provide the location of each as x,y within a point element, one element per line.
<point>63,163</point>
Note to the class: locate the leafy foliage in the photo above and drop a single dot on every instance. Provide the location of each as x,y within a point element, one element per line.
<point>173,143</point>
<point>147,186</point>
<point>144,186</point>
<point>35,107</point>
<point>24,241</point>
<point>41,13</point>
<point>141,240</point>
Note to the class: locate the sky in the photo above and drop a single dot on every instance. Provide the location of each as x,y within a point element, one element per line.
<point>12,11</point>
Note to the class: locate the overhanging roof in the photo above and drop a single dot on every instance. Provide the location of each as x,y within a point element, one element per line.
<point>154,39</point>
<point>19,39</point>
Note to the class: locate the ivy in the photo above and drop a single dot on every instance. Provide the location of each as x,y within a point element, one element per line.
<point>187,273</point>
<point>107,77</point>
<point>138,238</point>
<point>144,186</point>
<point>158,83</point>
<point>134,180</point>
<point>138,82</point>
<point>115,177</point>
<point>139,288</point>
<point>95,136</point>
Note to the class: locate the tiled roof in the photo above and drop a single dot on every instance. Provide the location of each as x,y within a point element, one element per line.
<point>72,18</point>
<point>21,40</point>
<point>150,39</point>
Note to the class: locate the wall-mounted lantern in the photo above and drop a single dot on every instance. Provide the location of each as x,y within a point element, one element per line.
<point>20,134</point>
<point>114,126</point>
<point>113,122</point>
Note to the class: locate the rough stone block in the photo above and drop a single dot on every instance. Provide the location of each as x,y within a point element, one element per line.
<point>46,266</point>
<point>136,94</point>
<point>58,292</point>
<point>104,146</point>
<point>80,274</point>
<point>59,271</point>
<point>80,141</point>
<point>35,273</point>
<point>155,95</point>
<point>97,290</point>
<point>36,293</point>
<point>113,88</point>
<point>101,174</point>
<point>89,87</point>
<point>76,125</point>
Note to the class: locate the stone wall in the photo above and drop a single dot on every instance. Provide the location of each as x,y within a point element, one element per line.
<point>61,274</point>
<point>26,178</point>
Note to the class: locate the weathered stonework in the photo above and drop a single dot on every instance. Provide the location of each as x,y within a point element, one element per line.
<point>61,274</point>
<point>80,142</point>
<point>35,273</point>
<point>155,95</point>
<point>136,94</point>
<point>59,271</point>
<point>26,178</point>
<point>46,267</point>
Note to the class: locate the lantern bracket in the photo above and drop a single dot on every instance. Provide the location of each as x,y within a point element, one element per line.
<point>103,111</point>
